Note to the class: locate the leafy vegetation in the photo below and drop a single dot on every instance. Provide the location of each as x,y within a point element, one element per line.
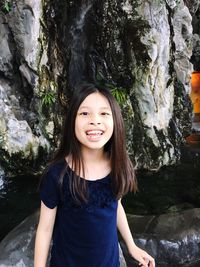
<point>6,6</point>
<point>119,93</point>
<point>48,99</point>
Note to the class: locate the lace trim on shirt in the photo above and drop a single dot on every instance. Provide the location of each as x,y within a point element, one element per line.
<point>100,196</point>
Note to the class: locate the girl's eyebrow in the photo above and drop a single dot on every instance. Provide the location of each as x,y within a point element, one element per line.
<point>83,107</point>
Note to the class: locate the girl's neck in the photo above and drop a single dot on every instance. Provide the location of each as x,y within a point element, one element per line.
<point>96,164</point>
<point>93,156</point>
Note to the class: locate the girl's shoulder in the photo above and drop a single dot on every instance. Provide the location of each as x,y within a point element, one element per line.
<point>55,169</point>
<point>50,184</point>
<point>57,166</point>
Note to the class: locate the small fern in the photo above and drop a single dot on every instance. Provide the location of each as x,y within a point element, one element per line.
<point>7,6</point>
<point>119,93</point>
<point>48,99</point>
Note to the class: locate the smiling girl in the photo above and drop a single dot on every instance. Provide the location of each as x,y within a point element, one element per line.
<point>82,188</point>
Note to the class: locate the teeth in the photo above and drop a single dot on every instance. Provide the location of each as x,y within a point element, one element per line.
<point>94,132</point>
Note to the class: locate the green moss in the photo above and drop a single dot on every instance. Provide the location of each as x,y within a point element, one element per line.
<point>153,151</point>
<point>44,80</point>
<point>18,163</point>
<point>134,29</point>
<point>14,163</point>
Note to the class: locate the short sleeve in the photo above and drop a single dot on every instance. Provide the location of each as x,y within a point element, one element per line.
<point>49,189</point>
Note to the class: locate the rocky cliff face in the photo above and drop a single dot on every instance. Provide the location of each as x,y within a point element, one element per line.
<point>141,50</point>
<point>22,138</point>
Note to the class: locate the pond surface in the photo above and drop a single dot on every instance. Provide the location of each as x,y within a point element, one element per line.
<point>169,190</point>
<point>18,199</point>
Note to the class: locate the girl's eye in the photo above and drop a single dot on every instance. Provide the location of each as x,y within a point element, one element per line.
<point>84,113</point>
<point>105,113</point>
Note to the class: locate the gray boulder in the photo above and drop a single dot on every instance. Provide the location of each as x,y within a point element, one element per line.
<point>172,239</point>
<point>17,247</point>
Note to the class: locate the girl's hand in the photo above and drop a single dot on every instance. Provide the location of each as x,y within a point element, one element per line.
<point>144,259</point>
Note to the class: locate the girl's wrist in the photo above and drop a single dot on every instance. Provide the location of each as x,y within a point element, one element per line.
<point>131,246</point>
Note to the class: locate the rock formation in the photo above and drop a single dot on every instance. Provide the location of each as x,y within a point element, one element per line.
<point>173,239</point>
<point>22,139</point>
<point>141,50</point>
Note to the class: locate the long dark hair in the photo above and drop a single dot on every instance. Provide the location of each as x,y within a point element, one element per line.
<point>122,171</point>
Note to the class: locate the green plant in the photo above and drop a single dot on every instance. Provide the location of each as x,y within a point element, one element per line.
<point>7,6</point>
<point>48,99</point>
<point>119,94</point>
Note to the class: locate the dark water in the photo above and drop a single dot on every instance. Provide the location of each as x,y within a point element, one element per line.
<point>171,189</point>
<point>18,199</point>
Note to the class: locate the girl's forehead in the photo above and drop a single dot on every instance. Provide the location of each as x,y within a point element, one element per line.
<point>96,100</point>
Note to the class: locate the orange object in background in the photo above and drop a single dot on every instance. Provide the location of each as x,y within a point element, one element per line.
<point>195,91</point>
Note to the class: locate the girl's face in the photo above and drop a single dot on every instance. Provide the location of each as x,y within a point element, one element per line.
<point>94,122</point>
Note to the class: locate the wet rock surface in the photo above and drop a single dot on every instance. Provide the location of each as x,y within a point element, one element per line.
<point>172,239</point>
<point>22,140</point>
<point>17,247</point>
<point>141,50</point>
<point>19,144</point>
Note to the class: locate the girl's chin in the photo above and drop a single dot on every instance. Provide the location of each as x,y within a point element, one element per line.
<point>93,146</point>
<point>94,138</point>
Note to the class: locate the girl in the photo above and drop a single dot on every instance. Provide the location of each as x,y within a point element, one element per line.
<point>83,185</point>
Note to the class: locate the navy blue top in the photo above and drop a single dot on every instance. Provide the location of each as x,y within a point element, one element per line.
<point>84,235</point>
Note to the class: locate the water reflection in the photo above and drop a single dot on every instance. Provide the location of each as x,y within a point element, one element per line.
<point>2,180</point>
<point>172,189</point>
<point>18,199</point>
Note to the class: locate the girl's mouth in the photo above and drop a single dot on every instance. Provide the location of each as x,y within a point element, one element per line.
<point>94,134</point>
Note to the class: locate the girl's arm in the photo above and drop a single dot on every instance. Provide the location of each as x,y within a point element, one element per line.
<point>140,255</point>
<point>43,235</point>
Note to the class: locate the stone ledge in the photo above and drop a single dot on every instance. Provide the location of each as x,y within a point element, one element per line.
<point>172,239</point>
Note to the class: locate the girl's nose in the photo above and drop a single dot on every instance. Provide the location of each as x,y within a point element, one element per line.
<point>95,120</point>
<point>95,123</point>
